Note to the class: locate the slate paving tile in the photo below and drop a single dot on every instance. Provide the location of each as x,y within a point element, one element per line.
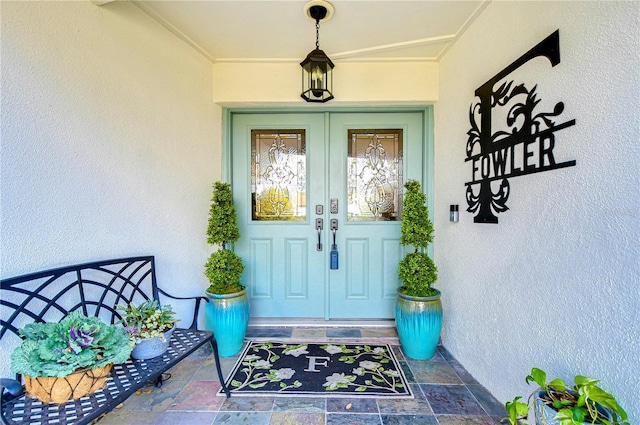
<point>488,402</point>
<point>260,332</point>
<point>445,353</point>
<point>352,405</point>
<point>437,357</point>
<point>122,416</point>
<point>416,405</point>
<point>353,419</point>
<point>185,418</point>
<point>407,372</point>
<point>466,420</point>
<point>465,376</point>
<point>398,352</point>
<point>207,370</point>
<point>226,364</point>
<point>299,404</point>
<point>344,333</point>
<point>452,399</point>
<point>247,404</point>
<point>309,333</point>
<point>297,418</point>
<point>202,353</point>
<point>152,398</point>
<point>186,369</point>
<point>409,420</point>
<point>198,396</point>
<point>243,418</point>
<point>426,372</point>
<point>381,332</point>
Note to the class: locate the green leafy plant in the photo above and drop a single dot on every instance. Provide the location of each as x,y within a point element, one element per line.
<point>222,226</point>
<point>416,270</point>
<point>580,403</point>
<point>76,342</point>
<point>224,267</point>
<point>147,320</point>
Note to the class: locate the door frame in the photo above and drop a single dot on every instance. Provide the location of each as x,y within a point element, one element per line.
<point>427,131</point>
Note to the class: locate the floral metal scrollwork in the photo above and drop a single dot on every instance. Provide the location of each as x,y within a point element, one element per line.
<point>525,146</point>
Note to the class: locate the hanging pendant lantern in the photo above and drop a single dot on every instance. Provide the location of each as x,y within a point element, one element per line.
<point>317,68</point>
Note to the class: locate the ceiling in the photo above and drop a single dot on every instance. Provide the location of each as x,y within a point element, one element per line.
<point>280,31</point>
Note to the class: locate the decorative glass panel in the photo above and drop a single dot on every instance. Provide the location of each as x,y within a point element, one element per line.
<point>374,170</point>
<point>278,175</point>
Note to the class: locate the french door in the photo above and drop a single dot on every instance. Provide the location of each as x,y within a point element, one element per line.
<point>318,198</point>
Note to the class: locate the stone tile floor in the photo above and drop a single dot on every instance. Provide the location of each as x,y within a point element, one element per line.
<point>444,392</point>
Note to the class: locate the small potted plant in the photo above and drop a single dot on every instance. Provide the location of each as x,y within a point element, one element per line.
<point>227,310</point>
<point>418,311</point>
<point>149,326</point>
<point>555,402</point>
<point>69,359</point>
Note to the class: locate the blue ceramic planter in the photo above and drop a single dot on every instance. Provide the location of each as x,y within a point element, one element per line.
<point>151,347</point>
<point>419,321</point>
<point>227,316</point>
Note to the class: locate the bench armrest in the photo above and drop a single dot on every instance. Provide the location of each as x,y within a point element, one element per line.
<point>196,310</point>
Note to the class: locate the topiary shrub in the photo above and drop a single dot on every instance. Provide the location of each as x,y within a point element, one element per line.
<point>224,268</point>
<point>416,270</point>
<point>222,226</point>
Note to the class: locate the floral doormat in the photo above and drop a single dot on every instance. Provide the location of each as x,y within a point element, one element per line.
<point>318,370</point>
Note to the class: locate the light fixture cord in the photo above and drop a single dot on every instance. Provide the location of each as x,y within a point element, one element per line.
<point>318,34</point>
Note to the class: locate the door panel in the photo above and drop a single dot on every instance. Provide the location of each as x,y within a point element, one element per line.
<point>284,272</point>
<point>287,276</point>
<point>365,284</point>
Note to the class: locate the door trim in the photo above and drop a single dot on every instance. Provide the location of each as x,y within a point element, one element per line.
<point>426,112</point>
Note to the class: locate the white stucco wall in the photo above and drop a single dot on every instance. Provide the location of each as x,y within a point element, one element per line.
<point>110,141</point>
<point>556,284</point>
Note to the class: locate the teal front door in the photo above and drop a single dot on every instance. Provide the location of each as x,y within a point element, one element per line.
<point>318,199</point>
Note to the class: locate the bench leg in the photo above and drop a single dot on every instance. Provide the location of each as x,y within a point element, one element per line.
<point>214,345</point>
<point>160,379</point>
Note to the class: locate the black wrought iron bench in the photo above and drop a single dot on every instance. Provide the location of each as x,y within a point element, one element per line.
<point>95,289</point>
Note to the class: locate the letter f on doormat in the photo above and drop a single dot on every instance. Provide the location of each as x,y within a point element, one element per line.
<point>319,370</point>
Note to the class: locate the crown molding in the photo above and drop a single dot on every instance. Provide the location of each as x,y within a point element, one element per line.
<point>464,27</point>
<point>174,30</point>
<point>346,56</point>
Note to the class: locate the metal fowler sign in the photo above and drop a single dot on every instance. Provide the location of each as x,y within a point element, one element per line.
<point>524,146</point>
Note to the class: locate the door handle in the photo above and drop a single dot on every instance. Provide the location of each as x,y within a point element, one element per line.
<point>333,263</point>
<point>319,227</point>
<point>334,228</point>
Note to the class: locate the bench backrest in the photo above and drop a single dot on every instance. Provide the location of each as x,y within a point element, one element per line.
<point>94,288</point>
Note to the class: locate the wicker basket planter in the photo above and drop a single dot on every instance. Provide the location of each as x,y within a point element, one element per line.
<point>59,390</point>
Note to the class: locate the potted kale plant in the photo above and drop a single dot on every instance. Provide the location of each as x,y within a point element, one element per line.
<point>69,359</point>
<point>227,310</point>
<point>418,310</point>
